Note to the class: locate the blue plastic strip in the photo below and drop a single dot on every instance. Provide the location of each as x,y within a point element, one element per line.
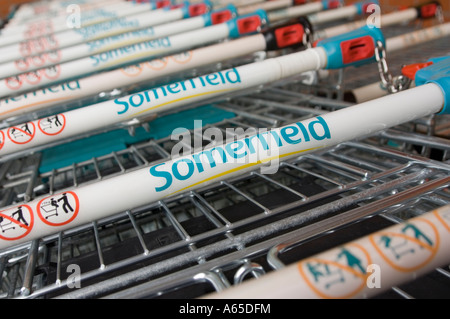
<point>333,50</point>
<point>438,73</point>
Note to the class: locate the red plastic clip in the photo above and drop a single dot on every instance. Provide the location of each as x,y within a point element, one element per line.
<point>289,35</point>
<point>333,4</point>
<point>221,16</point>
<point>163,4</point>
<point>410,70</point>
<point>197,9</point>
<point>357,49</point>
<point>249,24</point>
<point>428,10</point>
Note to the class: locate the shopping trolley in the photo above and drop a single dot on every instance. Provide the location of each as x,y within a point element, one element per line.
<point>207,240</point>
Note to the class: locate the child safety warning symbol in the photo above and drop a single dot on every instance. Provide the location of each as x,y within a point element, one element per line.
<point>52,125</point>
<point>22,134</point>
<point>58,210</point>
<point>16,222</point>
<point>340,274</point>
<point>409,249</point>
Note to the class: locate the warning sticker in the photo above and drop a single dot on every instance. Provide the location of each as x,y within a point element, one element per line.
<point>444,218</point>
<point>13,82</point>
<point>183,57</point>
<point>52,72</point>
<point>22,134</point>
<point>2,139</point>
<point>59,209</point>
<point>157,64</point>
<point>22,64</point>
<point>33,77</point>
<point>52,125</point>
<point>341,274</point>
<point>409,249</point>
<point>132,70</point>
<point>16,222</point>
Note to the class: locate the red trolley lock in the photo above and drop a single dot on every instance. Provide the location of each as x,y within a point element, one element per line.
<point>289,35</point>
<point>249,24</point>
<point>357,49</point>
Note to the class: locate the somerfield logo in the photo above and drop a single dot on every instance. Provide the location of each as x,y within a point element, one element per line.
<point>183,90</point>
<point>215,161</point>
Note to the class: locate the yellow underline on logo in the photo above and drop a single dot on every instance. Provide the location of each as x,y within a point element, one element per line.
<point>178,100</point>
<point>128,58</point>
<point>243,167</point>
<point>110,34</point>
<point>35,104</point>
<point>121,44</point>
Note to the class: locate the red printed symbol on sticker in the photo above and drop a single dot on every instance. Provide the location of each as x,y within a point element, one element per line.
<point>22,134</point>
<point>59,209</point>
<point>16,222</point>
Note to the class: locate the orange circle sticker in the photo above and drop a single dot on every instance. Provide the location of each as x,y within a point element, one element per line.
<point>22,134</point>
<point>58,210</point>
<point>16,223</point>
<point>409,249</point>
<point>52,125</point>
<point>341,273</point>
<point>444,218</point>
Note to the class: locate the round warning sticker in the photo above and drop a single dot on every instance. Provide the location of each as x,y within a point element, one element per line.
<point>444,218</point>
<point>409,249</point>
<point>340,274</point>
<point>22,64</point>
<point>2,139</point>
<point>157,64</point>
<point>183,57</point>
<point>33,77</point>
<point>52,125</point>
<point>52,72</point>
<point>16,222</point>
<point>13,82</point>
<point>58,210</point>
<point>132,70</point>
<point>22,134</point>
